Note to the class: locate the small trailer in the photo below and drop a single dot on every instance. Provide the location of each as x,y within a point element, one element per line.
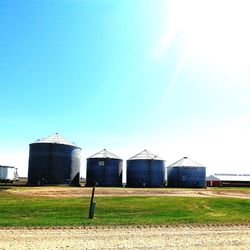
<point>8,174</point>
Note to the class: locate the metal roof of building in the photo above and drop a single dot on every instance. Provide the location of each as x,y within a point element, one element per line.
<point>56,138</point>
<point>186,162</point>
<point>105,154</point>
<point>229,177</point>
<point>145,155</point>
<point>6,166</point>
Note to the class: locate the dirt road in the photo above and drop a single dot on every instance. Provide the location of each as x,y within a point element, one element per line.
<point>165,237</point>
<point>83,191</point>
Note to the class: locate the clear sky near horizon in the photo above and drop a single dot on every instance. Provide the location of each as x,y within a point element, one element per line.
<point>171,76</point>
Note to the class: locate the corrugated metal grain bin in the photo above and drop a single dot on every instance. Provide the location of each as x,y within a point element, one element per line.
<point>186,173</point>
<point>104,169</point>
<point>54,160</point>
<point>145,170</point>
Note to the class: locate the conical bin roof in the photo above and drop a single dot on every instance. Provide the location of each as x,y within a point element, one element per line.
<point>145,155</point>
<point>56,138</point>
<point>104,154</point>
<point>186,162</point>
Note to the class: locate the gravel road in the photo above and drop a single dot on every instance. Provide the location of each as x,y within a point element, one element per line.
<point>155,237</point>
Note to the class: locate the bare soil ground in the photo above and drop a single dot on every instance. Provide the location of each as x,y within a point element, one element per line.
<point>156,237</point>
<point>84,191</point>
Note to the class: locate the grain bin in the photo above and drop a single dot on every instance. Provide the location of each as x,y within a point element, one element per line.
<point>54,160</point>
<point>105,169</point>
<point>145,170</point>
<point>8,174</point>
<point>186,173</point>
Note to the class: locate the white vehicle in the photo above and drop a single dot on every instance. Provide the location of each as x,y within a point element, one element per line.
<point>8,174</point>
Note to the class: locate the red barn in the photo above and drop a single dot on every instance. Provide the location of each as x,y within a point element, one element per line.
<point>213,181</point>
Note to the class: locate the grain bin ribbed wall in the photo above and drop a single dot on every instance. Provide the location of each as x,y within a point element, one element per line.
<point>186,174</point>
<point>54,160</point>
<point>145,170</point>
<point>104,169</point>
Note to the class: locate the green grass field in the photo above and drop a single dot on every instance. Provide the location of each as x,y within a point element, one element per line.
<point>44,211</point>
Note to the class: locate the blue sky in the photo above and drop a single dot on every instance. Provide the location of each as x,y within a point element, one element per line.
<point>169,76</point>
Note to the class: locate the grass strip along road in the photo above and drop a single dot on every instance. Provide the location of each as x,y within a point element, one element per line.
<point>16,210</point>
